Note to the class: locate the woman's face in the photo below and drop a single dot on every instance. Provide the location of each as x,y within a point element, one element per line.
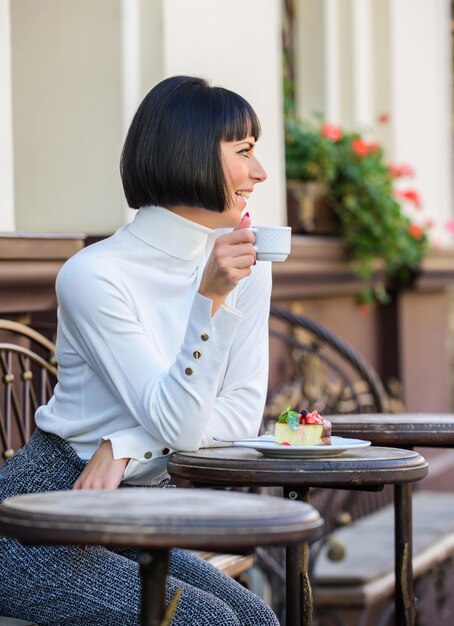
<point>242,171</point>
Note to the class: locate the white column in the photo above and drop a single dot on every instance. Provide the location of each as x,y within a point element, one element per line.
<point>6,122</point>
<point>130,69</point>
<point>311,78</point>
<point>151,44</point>
<point>331,66</point>
<point>361,33</point>
<point>381,69</point>
<point>237,44</point>
<point>421,104</point>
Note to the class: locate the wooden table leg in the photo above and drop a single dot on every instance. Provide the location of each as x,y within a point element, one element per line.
<point>154,565</point>
<point>298,588</point>
<point>405,607</point>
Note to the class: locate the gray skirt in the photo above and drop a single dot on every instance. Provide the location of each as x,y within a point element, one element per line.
<point>95,586</point>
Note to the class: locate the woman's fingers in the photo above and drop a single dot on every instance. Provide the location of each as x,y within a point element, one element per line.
<point>245,222</point>
<point>244,261</point>
<point>242,235</point>
<point>234,251</point>
<point>231,259</point>
<point>235,244</point>
<point>102,471</point>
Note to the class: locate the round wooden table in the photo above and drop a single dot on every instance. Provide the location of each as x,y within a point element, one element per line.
<point>361,468</point>
<point>156,520</point>
<point>408,429</point>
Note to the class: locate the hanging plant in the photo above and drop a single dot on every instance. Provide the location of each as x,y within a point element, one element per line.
<point>382,240</point>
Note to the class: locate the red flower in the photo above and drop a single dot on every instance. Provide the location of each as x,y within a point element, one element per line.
<point>374,146</point>
<point>383,118</point>
<point>363,307</point>
<point>361,148</point>
<point>398,171</point>
<point>411,195</point>
<point>331,132</point>
<point>415,231</point>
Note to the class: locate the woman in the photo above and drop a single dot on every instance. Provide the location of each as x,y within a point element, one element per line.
<point>161,345</point>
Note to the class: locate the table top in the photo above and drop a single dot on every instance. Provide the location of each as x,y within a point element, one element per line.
<point>243,466</point>
<point>158,518</point>
<point>407,429</point>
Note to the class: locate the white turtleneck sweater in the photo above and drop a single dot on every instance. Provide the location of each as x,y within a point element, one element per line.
<point>141,361</point>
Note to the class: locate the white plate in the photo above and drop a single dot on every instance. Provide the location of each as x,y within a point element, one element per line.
<point>266,445</point>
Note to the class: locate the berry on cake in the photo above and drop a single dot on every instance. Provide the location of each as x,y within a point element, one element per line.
<point>306,428</point>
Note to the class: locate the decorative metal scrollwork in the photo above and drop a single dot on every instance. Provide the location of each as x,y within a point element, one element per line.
<point>28,372</point>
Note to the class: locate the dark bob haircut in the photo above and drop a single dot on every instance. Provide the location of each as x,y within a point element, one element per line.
<point>172,152</point>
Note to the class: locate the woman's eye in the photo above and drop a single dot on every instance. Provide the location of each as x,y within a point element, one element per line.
<point>245,151</point>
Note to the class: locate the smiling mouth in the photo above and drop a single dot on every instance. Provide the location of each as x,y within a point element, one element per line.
<point>243,194</point>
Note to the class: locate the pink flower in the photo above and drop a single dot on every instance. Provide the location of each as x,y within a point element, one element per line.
<point>383,118</point>
<point>398,171</point>
<point>429,224</point>
<point>411,195</point>
<point>331,132</point>
<point>449,225</point>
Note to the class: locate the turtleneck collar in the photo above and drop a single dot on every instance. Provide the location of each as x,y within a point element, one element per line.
<point>171,233</point>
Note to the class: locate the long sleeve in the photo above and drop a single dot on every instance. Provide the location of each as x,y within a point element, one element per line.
<point>238,407</point>
<point>141,360</point>
<point>114,343</point>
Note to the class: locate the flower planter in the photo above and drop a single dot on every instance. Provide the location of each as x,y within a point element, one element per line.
<point>308,209</point>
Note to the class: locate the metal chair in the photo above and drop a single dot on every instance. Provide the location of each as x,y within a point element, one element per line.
<point>316,369</point>
<point>319,370</point>
<point>313,368</point>
<point>29,374</point>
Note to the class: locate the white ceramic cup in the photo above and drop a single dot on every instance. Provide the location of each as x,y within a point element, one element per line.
<point>272,243</point>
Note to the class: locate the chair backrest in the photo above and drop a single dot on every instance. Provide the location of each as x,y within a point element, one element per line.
<point>28,375</point>
<point>313,368</point>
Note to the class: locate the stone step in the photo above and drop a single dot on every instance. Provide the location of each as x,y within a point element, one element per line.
<point>365,574</point>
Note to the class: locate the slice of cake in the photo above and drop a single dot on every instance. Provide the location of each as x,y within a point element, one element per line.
<point>306,428</point>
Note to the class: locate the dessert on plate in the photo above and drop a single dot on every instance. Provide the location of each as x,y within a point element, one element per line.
<point>304,428</point>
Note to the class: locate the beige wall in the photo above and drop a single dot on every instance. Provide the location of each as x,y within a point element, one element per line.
<point>6,129</point>
<point>79,71</point>
<point>421,100</point>
<point>66,62</point>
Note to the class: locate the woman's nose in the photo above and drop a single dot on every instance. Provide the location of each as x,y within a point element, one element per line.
<point>258,173</point>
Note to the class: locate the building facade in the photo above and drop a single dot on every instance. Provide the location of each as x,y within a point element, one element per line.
<point>72,73</point>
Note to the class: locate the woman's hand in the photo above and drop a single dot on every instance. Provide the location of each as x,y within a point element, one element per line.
<point>231,259</point>
<point>102,471</point>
